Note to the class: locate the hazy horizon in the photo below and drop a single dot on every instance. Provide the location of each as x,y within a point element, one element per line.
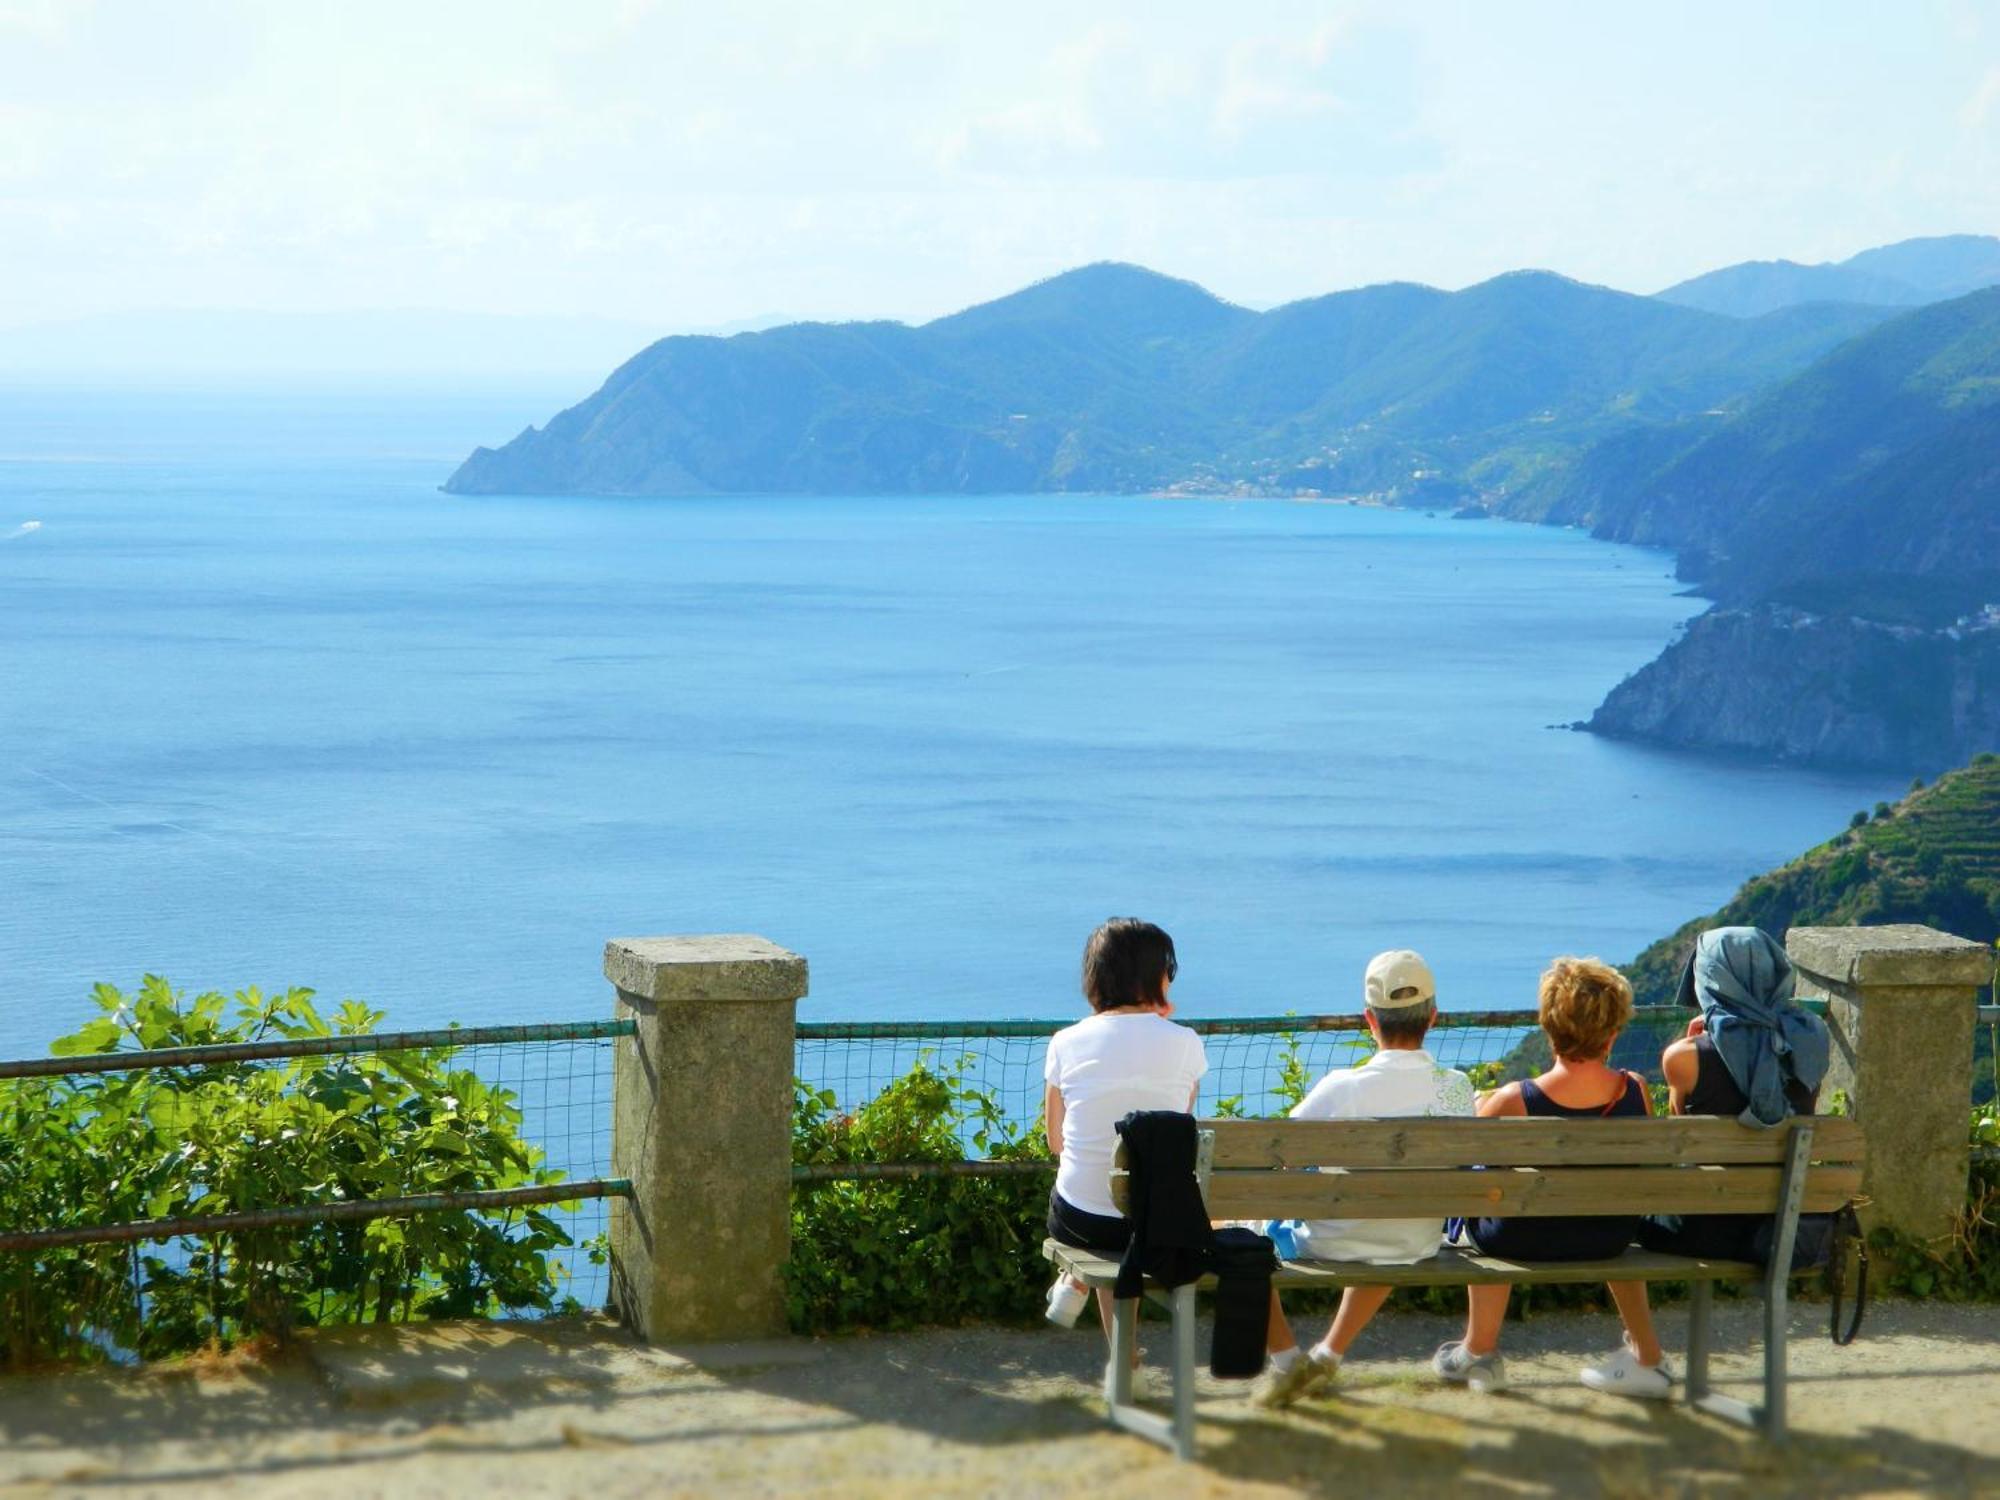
<point>668,168</point>
<point>142,346</point>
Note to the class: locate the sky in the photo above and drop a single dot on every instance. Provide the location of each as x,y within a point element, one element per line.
<point>673,166</point>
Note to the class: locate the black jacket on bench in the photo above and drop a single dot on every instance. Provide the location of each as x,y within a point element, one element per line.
<point>1170,1234</point>
<point>1173,1244</point>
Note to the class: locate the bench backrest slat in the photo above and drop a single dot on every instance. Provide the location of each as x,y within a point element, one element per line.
<point>1423,1168</point>
<point>1515,1192</point>
<point>1356,1144</point>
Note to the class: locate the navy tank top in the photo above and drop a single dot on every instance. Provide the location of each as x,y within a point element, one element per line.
<point>1591,1238</point>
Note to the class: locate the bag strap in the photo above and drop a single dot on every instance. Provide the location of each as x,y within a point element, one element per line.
<point>1846,1227</point>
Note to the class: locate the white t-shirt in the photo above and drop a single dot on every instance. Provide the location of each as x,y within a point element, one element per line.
<point>1104,1068</point>
<point>1390,1085</point>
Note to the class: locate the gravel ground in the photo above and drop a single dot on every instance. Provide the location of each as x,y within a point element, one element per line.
<point>450,1410</point>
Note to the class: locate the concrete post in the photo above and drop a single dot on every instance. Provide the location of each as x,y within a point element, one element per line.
<point>701,1124</point>
<point>1900,1005</point>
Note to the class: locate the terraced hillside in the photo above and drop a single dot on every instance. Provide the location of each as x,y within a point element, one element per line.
<point>1934,857</point>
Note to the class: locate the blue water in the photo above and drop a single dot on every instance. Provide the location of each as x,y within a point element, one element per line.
<point>273,710</point>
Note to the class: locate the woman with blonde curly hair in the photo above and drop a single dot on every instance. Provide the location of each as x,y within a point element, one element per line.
<point>1584,1004</point>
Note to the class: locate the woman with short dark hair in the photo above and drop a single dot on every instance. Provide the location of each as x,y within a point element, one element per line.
<point>1126,1055</point>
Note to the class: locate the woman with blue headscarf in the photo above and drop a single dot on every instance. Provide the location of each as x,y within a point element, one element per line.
<point>1754,1051</point>
<point>1753,1054</point>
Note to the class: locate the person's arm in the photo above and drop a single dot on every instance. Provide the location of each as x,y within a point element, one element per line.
<point>1680,1065</point>
<point>1500,1102</point>
<point>1052,1118</point>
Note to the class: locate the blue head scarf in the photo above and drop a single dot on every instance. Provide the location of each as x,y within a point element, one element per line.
<point>1742,981</point>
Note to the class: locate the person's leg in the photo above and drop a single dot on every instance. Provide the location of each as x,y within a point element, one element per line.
<point>1357,1305</point>
<point>1486,1308</point>
<point>1475,1360</point>
<point>1278,1333</point>
<point>1635,1367</point>
<point>1104,1317</point>
<point>1292,1372</point>
<point>1637,1314</point>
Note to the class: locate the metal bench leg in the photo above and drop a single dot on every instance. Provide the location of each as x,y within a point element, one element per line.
<point>1701,1309</point>
<point>1770,1417</point>
<point>1184,1372</point>
<point>1176,1434</point>
<point>1124,1338</point>
<point>1775,1310</point>
<point>1778,1277</point>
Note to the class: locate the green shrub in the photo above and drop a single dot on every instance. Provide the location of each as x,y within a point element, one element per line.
<point>933,1250</point>
<point>112,1148</point>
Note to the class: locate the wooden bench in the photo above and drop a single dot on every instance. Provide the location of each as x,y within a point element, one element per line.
<point>1423,1168</point>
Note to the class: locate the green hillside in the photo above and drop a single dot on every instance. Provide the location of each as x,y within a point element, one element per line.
<point>1933,858</point>
<point>1881,456</point>
<point>1113,378</point>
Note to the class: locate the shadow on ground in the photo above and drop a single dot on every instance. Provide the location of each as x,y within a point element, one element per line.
<point>579,1408</point>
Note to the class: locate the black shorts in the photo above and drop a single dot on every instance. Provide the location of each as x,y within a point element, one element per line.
<point>1556,1239</point>
<point>1108,1234</point>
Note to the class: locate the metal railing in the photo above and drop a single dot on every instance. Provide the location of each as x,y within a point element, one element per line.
<point>551,1102</point>
<point>153,1059</point>
<point>1256,1065</point>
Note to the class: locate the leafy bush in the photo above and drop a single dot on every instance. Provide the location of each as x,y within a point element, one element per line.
<point>113,1148</point>
<point>894,1254</point>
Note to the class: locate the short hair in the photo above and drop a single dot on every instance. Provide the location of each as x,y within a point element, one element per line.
<point>1404,1026</point>
<point>1584,1003</point>
<point>1127,962</point>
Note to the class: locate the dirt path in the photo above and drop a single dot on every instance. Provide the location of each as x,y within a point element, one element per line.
<point>455,1410</point>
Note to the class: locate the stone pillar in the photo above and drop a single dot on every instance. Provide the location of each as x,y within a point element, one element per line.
<point>1900,1005</point>
<point>701,1124</point>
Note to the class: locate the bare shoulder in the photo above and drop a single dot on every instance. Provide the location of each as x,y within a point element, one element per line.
<point>1505,1100</point>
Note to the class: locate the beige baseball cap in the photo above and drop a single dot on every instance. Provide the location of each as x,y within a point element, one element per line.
<point>1398,980</point>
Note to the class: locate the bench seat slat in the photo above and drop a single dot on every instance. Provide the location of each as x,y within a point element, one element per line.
<point>1511,1191</point>
<point>1451,1266</point>
<point>1514,1142</point>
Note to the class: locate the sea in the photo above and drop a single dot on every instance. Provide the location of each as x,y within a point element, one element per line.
<point>276,711</point>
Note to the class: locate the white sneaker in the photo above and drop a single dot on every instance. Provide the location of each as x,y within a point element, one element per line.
<point>1142,1384</point>
<point>1066,1302</point>
<point>1484,1373</point>
<point>1621,1374</point>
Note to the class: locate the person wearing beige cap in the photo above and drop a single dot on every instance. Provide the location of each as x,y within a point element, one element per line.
<point>1401,1079</point>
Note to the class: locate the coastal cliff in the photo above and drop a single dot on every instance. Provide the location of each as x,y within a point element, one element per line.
<point>1773,680</point>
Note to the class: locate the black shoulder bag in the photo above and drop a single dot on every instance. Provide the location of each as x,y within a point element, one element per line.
<point>1846,1228</point>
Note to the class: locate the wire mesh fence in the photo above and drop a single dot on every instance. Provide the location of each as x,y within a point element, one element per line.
<point>300,1168</point>
<point>1257,1066</point>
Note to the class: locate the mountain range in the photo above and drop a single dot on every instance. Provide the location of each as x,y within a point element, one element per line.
<point>1908,274</point>
<point>1113,378</point>
<point>1826,471</point>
